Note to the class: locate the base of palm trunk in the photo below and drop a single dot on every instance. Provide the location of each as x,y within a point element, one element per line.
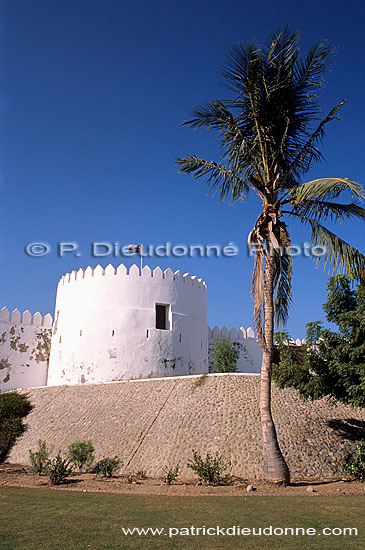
<point>276,470</point>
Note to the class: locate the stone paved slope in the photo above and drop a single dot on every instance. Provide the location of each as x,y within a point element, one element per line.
<point>152,423</point>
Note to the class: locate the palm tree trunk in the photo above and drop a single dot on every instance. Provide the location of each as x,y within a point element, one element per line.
<point>275,468</point>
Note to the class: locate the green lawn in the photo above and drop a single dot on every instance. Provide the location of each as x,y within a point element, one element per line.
<point>45,519</point>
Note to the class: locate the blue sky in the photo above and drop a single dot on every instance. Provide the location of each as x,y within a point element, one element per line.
<point>92,97</point>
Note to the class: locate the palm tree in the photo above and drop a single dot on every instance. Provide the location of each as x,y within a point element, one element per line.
<point>268,142</point>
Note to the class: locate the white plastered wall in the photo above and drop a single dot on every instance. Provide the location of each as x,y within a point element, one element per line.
<point>24,349</point>
<point>250,353</point>
<point>104,327</point>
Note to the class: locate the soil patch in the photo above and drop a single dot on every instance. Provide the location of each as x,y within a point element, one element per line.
<point>18,475</point>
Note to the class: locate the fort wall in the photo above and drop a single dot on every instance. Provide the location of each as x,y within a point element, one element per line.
<point>24,349</point>
<point>243,340</point>
<point>105,325</point>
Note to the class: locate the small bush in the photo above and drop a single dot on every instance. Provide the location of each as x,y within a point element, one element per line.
<point>355,465</point>
<point>225,356</point>
<point>39,459</point>
<point>209,470</point>
<point>171,474</point>
<point>58,469</point>
<point>13,408</point>
<point>81,453</point>
<point>107,467</point>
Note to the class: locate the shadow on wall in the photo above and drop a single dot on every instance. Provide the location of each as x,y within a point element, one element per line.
<point>349,428</point>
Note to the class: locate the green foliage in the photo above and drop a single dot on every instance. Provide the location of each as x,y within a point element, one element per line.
<point>209,469</point>
<point>355,465</point>
<point>14,405</point>
<point>10,429</point>
<point>330,363</point>
<point>107,467</point>
<point>13,408</point>
<point>171,474</point>
<point>58,469</point>
<point>39,459</point>
<point>341,298</point>
<point>225,356</point>
<point>81,453</point>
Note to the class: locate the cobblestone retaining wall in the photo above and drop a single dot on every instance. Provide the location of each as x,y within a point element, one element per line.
<point>152,423</point>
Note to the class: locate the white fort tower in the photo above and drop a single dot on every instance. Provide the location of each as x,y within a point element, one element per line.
<point>115,324</point>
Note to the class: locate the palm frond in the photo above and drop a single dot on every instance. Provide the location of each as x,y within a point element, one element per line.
<point>309,73</point>
<point>283,269</point>
<point>257,291</point>
<point>279,60</point>
<point>218,177</point>
<point>242,69</point>
<point>238,149</point>
<point>308,152</point>
<point>243,75</point>
<point>213,115</point>
<point>327,188</point>
<point>339,256</point>
<point>322,210</point>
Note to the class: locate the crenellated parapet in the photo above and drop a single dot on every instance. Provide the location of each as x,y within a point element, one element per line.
<point>144,275</point>
<point>232,334</point>
<point>15,317</point>
<point>241,334</point>
<point>24,348</point>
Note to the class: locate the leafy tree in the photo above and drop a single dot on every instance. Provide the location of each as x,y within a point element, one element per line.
<point>225,356</point>
<point>331,364</point>
<point>269,137</point>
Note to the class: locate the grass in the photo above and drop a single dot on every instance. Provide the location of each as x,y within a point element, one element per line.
<point>46,519</point>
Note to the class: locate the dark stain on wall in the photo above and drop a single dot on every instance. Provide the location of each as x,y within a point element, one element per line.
<point>42,349</point>
<point>4,364</point>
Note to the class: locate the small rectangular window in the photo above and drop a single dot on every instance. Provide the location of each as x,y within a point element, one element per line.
<point>162,316</point>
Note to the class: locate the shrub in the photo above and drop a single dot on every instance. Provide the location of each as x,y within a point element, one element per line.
<point>209,470</point>
<point>107,467</point>
<point>225,356</point>
<point>171,474</point>
<point>81,453</point>
<point>58,469</point>
<point>39,459</point>
<point>13,408</point>
<point>355,465</point>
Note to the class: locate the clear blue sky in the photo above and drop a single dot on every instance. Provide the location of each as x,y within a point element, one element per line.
<point>92,97</point>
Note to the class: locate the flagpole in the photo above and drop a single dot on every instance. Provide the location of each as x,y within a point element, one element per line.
<point>141,258</point>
